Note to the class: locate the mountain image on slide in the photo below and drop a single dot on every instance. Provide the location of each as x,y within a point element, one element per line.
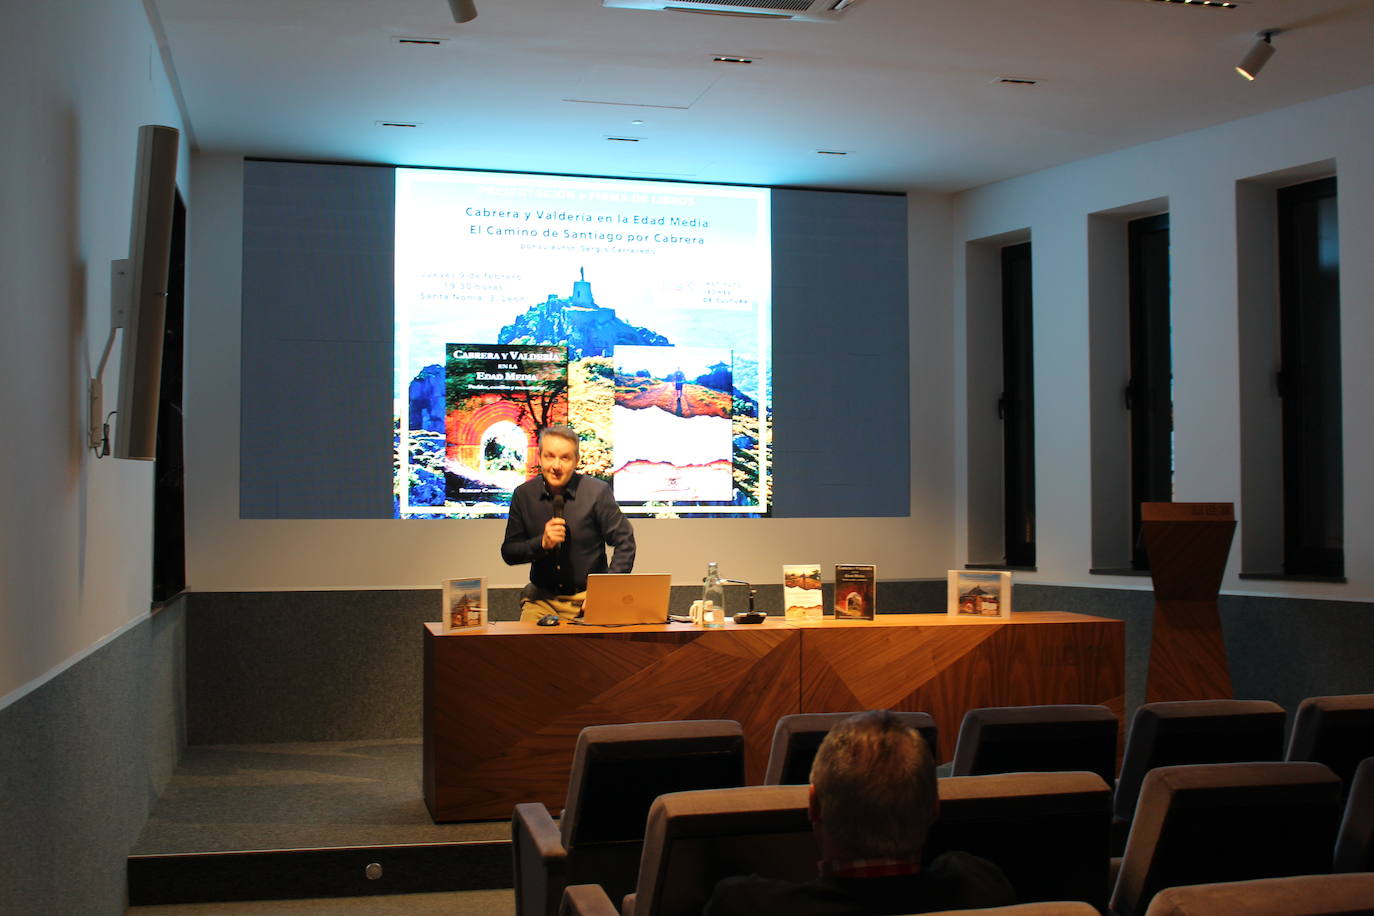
<point>586,328</point>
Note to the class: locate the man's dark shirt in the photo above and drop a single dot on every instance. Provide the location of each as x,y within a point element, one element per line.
<point>594,521</point>
<point>954,881</point>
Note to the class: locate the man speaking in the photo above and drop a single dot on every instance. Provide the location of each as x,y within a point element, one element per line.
<point>560,523</point>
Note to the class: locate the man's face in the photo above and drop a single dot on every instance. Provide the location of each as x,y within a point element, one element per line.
<point>557,461</point>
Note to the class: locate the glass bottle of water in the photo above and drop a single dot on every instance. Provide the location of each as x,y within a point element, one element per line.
<point>712,599</point>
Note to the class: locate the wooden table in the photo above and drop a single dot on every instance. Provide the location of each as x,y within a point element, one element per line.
<point>503,705</point>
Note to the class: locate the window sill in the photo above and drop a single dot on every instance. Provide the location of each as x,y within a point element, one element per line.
<point>1292,577</point>
<point>1119,572</point>
<point>999,566</point>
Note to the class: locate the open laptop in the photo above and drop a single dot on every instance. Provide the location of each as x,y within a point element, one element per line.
<point>625,598</point>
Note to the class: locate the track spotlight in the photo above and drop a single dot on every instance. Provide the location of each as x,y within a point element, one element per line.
<point>463,10</point>
<point>1257,56</point>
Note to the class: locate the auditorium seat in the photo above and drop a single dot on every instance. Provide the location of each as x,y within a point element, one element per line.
<point>1227,822</point>
<point>1302,895</point>
<point>1048,832</point>
<point>1013,739</point>
<point>796,738</point>
<point>1192,731</point>
<point>1337,731</point>
<point>1052,908</point>
<point>693,839</point>
<point>1355,841</point>
<point>617,772</point>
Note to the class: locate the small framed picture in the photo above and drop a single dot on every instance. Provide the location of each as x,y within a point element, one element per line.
<point>465,604</point>
<point>979,593</point>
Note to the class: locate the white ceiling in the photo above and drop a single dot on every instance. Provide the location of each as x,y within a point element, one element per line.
<point>906,87</point>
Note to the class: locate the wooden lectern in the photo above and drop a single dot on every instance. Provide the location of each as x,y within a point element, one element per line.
<point>1187,544</point>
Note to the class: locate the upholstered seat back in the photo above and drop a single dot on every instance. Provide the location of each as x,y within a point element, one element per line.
<point>1305,895</point>
<point>1014,739</point>
<point>1046,831</point>
<point>1337,731</point>
<point>618,771</point>
<point>1196,731</point>
<point>1227,822</point>
<point>797,738</point>
<point>1355,841</point>
<point>693,839</point>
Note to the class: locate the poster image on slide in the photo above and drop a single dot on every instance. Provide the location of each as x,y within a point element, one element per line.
<point>672,422</point>
<point>497,397</point>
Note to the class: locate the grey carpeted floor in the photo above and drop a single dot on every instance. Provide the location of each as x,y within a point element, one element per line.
<point>463,903</point>
<point>288,796</point>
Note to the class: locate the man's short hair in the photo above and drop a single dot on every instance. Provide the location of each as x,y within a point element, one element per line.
<point>875,786</point>
<point>562,431</point>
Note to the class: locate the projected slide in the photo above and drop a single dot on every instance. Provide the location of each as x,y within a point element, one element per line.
<point>636,312</point>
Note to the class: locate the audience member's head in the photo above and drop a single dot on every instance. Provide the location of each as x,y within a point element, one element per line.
<point>873,789</point>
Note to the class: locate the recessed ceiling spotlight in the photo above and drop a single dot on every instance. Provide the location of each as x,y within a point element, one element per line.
<point>1016,81</point>
<point>637,122</point>
<point>731,59</point>
<point>1214,4</point>
<point>398,123</point>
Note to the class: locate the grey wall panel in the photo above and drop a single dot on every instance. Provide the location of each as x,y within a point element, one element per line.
<point>841,416</point>
<point>315,396</point>
<point>316,666</point>
<point>81,759</point>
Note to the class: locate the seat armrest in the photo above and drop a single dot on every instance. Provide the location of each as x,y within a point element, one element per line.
<point>586,900</point>
<point>540,860</point>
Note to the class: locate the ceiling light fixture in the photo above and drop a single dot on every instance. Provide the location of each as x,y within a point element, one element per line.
<point>832,152</point>
<point>1257,56</point>
<point>1214,4</point>
<point>731,59</point>
<point>463,10</point>
<point>398,123</point>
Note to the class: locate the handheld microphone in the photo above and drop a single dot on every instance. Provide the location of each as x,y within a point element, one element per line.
<point>558,506</point>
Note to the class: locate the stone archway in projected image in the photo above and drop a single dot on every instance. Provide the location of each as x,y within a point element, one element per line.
<point>468,430</point>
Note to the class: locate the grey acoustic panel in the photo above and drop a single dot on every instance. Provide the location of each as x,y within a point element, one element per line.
<point>81,758</point>
<point>841,414</point>
<point>315,395</point>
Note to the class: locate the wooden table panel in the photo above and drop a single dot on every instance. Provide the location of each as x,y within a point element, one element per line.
<point>946,666</point>
<point>503,707</point>
<point>504,704</point>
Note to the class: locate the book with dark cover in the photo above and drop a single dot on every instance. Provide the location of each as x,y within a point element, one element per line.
<point>855,591</point>
<point>497,397</point>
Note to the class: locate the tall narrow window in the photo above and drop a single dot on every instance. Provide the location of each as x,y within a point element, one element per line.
<point>169,501</point>
<point>1310,379</point>
<point>1149,393</point>
<point>1016,407</point>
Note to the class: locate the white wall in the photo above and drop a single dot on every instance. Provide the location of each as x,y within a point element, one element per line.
<point>1197,173</point>
<point>225,553</point>
<point>77,77</point>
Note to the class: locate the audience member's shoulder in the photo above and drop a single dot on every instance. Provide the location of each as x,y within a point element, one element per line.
<point>746,895</point>
<point>965,880</point>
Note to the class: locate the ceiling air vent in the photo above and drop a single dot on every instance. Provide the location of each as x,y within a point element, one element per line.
<point>797,10</point>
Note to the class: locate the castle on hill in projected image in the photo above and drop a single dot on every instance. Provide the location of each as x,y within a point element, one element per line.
<point>663,424</point>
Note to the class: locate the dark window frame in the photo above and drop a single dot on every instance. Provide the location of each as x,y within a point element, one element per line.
<point>1016,408</point>
<point>1309,381</point>
<point>169,468</point>
<point>1149,391</point>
